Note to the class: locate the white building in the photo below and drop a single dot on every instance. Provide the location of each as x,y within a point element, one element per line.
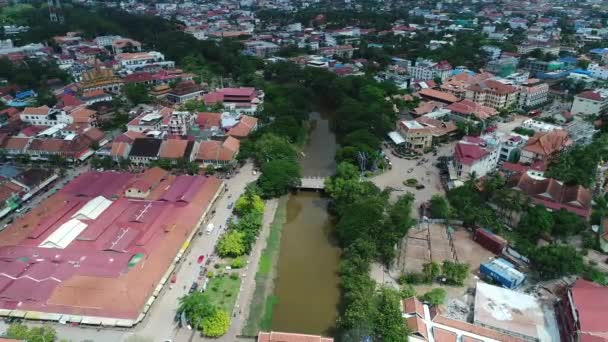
<point>103,41</point>
<point>539,126</point>
<point>598,71</point>
<point>425,70</point>
<point>474,155</point>
<point>139,60</point>
<point>45,116</point>
<point>591,102</point>
<point>492,51</point>
<point>533,93</point>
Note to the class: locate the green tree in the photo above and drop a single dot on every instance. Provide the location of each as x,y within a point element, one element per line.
<point>231,244</point>
<point>440,208</point>
<point>137,93</point>
<point>567,224</point>
<point>249,202</point>
<point>431,271</point>
<point>535,222</point>
<point>196,306</point>
<point>270,147</point>
<point>388,322</point>
<point>36,334</point>
<point>434,297</point>
<point>216,324</point>
<point>454,272</point>
<point>407,291</point>
<point>278,177</point>
<point>554,261</point>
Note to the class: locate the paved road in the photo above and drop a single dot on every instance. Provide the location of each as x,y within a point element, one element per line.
<point>241,311</point>
<point>159,324</point>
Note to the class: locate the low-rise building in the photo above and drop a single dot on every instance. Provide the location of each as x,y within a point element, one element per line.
<point>144,150</point>
<point>510,149</point>
<point>582,312</point>
<point>344,51</point>
<point>473,156</point>
<point>513,313</point>
<point>598,71</point>
<point>133,61</point>
<point>539,126</point>
<point>45,116</point>
<point>544,146</point>
<point>428,324</point>
<point>553,194</point>
<point>216,153</point>
<point>261,48</point>
<point>591,102</point>
<point>533,93</point>
<point>274,336</point>
<point>492,93</point>
<point>425,69</point>
<point>468,110</point>
<point>414,135</point>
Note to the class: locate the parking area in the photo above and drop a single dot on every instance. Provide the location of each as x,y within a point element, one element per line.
<point>422,169</point>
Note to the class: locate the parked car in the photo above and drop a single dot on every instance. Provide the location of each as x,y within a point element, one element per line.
<point>230,205</point>
<point>193,288</point>
<point>200,259</point>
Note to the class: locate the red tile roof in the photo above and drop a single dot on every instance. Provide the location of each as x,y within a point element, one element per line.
<point>468,154</point>
<point>173,148</point>
<point>466,107</point>
<point>591,95</point>
<point>548,143</point>
<point>438,95</point>
<point>244,127</point>
<point>207,120</point>
<point>554,194</point>
<point>218,151</point>
<point>290,337</point>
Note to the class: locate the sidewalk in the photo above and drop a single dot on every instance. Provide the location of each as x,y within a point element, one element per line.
<point>248,284</point>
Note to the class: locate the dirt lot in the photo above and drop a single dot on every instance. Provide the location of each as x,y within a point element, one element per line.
<point>426,174</point>
<point>461,248</point>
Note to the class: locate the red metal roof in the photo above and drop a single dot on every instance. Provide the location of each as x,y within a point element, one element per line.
<point>591,303</point>
<point>468,154</point>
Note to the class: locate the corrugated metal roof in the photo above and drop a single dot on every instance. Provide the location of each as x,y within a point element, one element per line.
<point>64,235</point>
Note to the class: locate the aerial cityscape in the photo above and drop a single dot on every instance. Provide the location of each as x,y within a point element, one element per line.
<point>304,170</point>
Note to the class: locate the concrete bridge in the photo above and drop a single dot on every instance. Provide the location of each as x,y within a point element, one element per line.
<point>312,183</point>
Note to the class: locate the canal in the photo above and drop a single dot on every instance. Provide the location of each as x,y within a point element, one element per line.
<point>307,282</point>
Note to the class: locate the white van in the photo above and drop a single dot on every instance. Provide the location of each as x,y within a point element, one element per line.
<point>209,228</point>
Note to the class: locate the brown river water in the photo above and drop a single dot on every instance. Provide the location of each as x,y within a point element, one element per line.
<point>307,283</point>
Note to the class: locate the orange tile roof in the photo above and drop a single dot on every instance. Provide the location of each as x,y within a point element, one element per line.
<point>83,115</point>
<point>16,143</point>
<point>42,110</point>
<point>290,337</point>
<point>442,335</point>
<point>439,95</point>
<point>119,149</point>
<point>215,150</point>
<point>548,143</point>
<point>173,148</point>
<point>244,127</point>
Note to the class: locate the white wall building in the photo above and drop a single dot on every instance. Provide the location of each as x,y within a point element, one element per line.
<point>592,102</point>
<point>598,71</point>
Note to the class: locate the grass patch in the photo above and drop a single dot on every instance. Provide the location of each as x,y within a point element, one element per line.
<point>223,291</point>
<point>262,303</point>
<point>266,323</point>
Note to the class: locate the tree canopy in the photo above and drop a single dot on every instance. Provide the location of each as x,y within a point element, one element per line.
<point>278,177</point>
